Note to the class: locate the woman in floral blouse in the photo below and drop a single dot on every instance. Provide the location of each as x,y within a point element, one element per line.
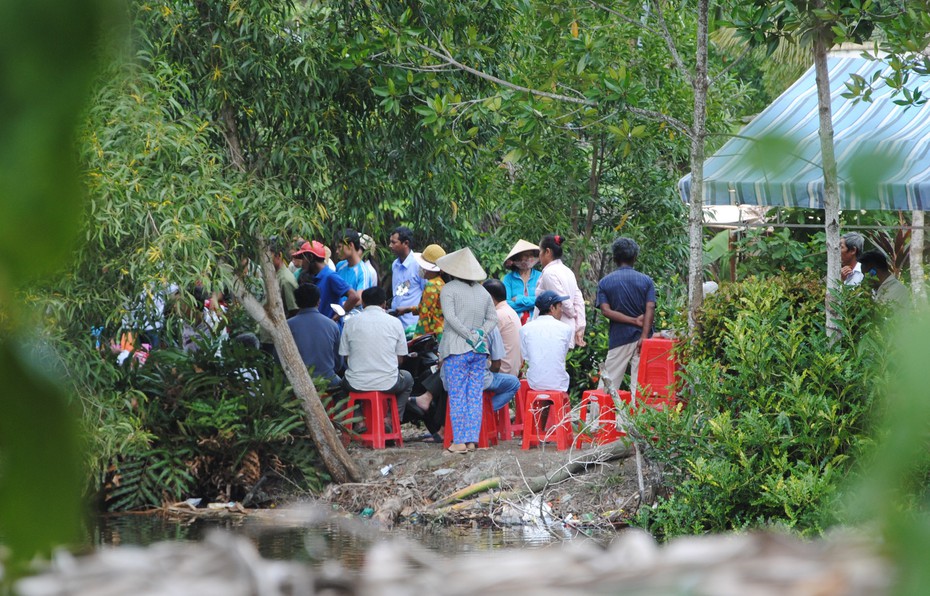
<point>429,310</point>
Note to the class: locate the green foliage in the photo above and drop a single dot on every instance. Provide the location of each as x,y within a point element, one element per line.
<point>199,426</point>
<point>770,253</point>
<point>899,33</point>
<point>893,485</point>
<point>776,413</point>
<point>583,161</point>
<point>46,68</point>
<point>40,503</point>
<point>583,362</point>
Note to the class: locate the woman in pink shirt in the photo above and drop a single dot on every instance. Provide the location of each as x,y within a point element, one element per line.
<point>556,276</point>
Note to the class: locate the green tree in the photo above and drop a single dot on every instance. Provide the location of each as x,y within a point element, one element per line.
<point>206,141</point>
<point>818,25</point>
<point>588,83</point>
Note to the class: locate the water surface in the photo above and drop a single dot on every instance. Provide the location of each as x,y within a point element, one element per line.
<point>343,539</point>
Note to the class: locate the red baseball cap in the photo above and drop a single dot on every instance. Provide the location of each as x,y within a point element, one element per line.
<point>315,248</point>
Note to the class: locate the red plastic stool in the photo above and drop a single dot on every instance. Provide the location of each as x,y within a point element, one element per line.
<point>558,423</point>
<point>657,369</point>
<point>604,417</point>
<point>487,436</point>
<point>504,426</point>
<point>519,405</point>
<point>376,405</point>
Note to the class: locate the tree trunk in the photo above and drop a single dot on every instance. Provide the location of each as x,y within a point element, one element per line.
<point>917,257</point>
<point>231,133</point>
<point>696,213</point>
<point>831,198</point>
<point>594,184</point>
<point>270,317</point>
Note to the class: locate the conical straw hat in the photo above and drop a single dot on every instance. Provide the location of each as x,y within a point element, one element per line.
<point>463,265</point>
<point>521,246</point>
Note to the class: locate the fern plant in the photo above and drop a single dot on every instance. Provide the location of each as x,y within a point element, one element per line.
<point>209,430</point>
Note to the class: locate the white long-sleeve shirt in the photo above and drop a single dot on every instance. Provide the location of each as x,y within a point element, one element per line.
<point>556,276</point>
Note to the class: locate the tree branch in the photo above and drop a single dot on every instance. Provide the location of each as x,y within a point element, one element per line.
<point>664,33</point>
<point>624,18</point>
<point>729,66</point>
<point>671,121</point>
<point>483,75</point>
<point>231,134</point>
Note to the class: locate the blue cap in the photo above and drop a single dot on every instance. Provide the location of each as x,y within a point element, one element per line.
<point>545,300</point>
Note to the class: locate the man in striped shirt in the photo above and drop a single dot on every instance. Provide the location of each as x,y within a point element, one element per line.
<point>357,274</point>
<point>627,298</point>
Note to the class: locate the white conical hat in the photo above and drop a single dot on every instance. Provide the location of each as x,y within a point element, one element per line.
<point>521,246</point>
<point>463,265</point>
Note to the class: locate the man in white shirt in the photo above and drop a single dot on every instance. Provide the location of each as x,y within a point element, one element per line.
<point>851,246</point>
<point>374,344</point>
<point>545,342</point>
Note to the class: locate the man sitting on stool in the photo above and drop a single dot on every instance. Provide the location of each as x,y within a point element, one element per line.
<point>316,336</point>
<point>374,344</point>
<point>544,342</point>
<point>504,386</point>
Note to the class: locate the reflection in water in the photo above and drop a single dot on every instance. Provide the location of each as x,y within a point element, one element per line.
<point>343,539</point>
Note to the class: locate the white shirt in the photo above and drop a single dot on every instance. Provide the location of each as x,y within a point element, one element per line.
<point>556,276</point>
<point>855,277</point>
<point>372,341</point>
<point>544,342</point>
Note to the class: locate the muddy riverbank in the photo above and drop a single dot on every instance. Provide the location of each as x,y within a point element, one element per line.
<point>503,485</point>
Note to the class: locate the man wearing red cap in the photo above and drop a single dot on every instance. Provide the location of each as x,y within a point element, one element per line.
<point>331,286</point>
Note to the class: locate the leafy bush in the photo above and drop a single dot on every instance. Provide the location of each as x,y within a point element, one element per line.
<point>582,364</point>
<point>776,412</point>
<point>766,253</point>
<point>191,425</point>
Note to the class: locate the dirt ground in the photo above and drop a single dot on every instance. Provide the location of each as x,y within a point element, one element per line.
<point>412,483</point>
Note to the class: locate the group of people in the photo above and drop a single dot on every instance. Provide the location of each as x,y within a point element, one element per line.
<point>872,267</point>
<point>490,331</point>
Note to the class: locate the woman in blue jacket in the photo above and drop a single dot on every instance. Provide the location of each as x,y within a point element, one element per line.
<point>521,281</point>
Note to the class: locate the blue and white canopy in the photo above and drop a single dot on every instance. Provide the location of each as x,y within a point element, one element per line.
<point>882,149</point>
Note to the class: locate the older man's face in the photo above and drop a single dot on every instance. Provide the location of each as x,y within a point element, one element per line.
<point>847,255</point>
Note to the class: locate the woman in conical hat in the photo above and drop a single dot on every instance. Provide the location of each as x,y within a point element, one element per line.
<point>521,281</point>
<point>469,317</point>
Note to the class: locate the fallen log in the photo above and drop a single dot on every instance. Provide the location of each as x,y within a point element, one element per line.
<point>473,489</point>
<point>593,457</point>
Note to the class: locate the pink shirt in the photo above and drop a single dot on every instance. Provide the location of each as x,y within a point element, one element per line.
<point>561,280</point>
<point>509,325</point>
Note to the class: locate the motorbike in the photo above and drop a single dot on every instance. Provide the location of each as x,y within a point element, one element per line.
<point>422,362</point>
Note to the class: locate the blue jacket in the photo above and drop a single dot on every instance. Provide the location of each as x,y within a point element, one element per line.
<point>516,298</point>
